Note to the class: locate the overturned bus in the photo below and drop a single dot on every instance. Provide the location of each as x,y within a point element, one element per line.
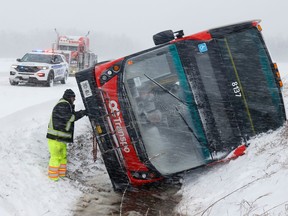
<point>187,102</point>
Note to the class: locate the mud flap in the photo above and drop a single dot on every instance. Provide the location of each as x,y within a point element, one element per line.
<point>237,152</point>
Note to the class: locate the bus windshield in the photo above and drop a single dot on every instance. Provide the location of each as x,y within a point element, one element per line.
<point>165,111</point>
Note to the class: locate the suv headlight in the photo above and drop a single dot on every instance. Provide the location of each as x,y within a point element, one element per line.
<point>42,67</point>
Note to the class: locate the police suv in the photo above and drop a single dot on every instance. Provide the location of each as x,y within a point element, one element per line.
<point>39,67</point>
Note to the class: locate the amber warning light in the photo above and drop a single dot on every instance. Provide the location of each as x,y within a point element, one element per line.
<point>116,68</point>
<point>277,75</point>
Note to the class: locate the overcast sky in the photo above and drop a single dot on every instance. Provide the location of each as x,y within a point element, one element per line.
<point>134,22</point>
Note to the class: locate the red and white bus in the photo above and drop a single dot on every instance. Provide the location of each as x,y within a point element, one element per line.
<point>187,102</point>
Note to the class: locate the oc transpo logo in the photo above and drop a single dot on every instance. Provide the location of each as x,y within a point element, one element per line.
<point>202,47</point>
<point>115,112</point>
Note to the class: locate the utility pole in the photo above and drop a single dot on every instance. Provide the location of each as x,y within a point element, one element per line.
<point>57,39</point>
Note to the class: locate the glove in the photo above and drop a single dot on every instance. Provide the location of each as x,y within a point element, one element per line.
<point>79,114</point>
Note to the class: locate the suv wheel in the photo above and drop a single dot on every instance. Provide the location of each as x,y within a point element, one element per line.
<point>64,80</point>
<point>50,80</point>
<point>13,82</point>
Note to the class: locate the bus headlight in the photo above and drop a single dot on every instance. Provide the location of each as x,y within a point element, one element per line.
<point>144,175</point>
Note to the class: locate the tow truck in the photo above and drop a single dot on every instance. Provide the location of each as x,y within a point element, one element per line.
<point>188,102</point>
<point>76,50</point>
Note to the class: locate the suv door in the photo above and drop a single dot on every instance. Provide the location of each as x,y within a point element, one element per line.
<point>59,67</point>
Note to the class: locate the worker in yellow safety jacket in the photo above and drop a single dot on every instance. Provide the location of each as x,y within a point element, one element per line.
<point>60,132</point>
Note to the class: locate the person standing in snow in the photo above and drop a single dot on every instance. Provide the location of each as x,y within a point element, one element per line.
<point>60,132</point>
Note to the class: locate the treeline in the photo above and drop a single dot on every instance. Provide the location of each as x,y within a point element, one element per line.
<point>107,46</point>
<point>14,44</point>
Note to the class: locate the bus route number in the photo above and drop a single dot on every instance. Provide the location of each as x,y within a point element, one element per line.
<point>236,89</point>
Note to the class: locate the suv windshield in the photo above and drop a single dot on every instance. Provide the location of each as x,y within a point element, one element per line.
<point>165,111</point>
<point>41,58</point>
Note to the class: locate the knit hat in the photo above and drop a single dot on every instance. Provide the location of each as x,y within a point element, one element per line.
<point>68,94</point>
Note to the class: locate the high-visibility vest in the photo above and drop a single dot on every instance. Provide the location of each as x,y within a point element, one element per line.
<point>61,134</point>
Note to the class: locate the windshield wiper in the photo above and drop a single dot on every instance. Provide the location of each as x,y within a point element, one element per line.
<point>190,128</point>
<point>165,89</point>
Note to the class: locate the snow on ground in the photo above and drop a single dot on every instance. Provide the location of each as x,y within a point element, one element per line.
<point>25,189</point>
<point>254,184</point>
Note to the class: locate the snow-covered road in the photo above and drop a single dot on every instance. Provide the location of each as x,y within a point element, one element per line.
<point>25,189</point>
